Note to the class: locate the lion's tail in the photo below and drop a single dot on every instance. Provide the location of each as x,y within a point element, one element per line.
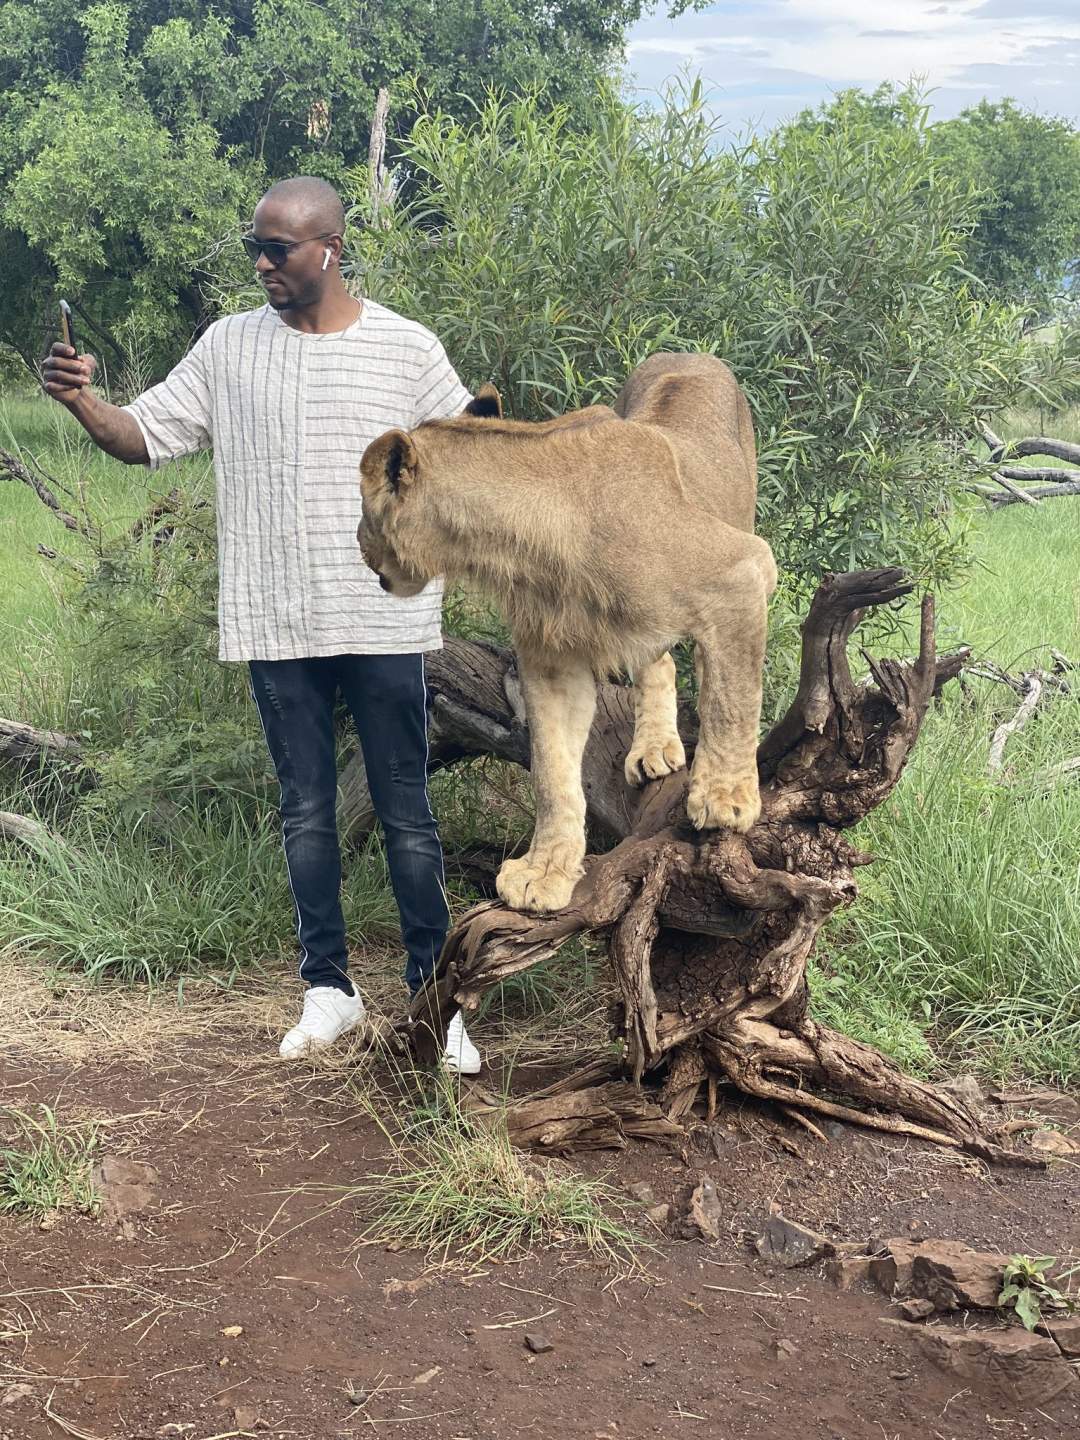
<point>745,423</point>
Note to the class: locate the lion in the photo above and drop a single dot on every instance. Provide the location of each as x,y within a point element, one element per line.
<point>605,536</point>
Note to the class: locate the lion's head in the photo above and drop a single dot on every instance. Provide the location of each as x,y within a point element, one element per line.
<point>392,483</point>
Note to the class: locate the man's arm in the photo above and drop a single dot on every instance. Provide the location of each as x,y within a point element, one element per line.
<point>67,379</point>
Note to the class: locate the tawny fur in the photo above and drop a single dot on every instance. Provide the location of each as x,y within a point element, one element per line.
<point>605,536</point>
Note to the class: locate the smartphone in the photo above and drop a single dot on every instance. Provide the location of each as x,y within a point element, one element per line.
<point>67,326</point>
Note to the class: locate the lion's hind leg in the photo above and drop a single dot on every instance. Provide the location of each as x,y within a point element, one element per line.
<point>656,749</point>
<point>730,658</point>
<point>560,701</point>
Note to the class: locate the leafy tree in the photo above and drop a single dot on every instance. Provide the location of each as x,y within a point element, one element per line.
<point>134,134</point>
<point>1026,168</point>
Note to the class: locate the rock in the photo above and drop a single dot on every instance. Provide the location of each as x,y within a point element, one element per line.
<point>967,1090</point>
<point>426,1376</point>
<point>1010,1367</point>
<point>14,1393</point>
<point>703,1213</point>
<point>125,1186</point>
<point>537,1343</point>
<point>789,1243</point>
<point>955,1277</point>
<point>245,1417</point>
<point>916,1310</point>
<point>649,1363</point>
<point>1053,1142</point>
<point>406,1287</point>
<point>1052,1103</point>
<point>232,1331</point>
<point>1066,1335</point>
<point>49,1220</point>
<point>641,1191</point>
<point>782,1349</point>
<point>658,1214</point>
<point>847,1248</point>
<point>890,1270</point>
<point>846,1272</point>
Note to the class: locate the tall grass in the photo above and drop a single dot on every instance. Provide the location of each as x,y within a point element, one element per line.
<point>967,930</point>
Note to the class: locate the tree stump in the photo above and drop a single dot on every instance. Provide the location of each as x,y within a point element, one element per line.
<point>709,933</point>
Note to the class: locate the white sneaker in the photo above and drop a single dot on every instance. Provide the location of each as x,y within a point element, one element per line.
<point>328,1014</point>
<point>461,1055</point>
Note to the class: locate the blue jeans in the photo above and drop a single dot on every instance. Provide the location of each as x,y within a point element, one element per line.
<point>387,697</point>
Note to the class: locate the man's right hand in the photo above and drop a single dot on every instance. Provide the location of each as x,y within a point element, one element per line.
<point>66,374</point>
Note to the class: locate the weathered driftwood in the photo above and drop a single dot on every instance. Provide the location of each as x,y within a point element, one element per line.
<point>709,934</point>
<point>1013,478</point>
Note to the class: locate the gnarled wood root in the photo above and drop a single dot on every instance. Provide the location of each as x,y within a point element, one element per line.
<point>709,934</point>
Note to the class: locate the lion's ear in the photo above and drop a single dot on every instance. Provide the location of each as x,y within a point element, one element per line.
<point>393,456</point>
<point>485,404</point>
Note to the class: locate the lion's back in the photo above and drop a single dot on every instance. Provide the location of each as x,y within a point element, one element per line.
<point>696,402</point>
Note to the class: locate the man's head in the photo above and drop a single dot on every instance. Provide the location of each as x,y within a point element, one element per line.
<point>306,217</point>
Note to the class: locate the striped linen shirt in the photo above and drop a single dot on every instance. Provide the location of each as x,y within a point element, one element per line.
<point>289,415</point>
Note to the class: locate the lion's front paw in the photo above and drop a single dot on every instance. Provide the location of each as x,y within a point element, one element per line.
<point>717,803</point>
<point>536,885</point>
<point>653,756</point>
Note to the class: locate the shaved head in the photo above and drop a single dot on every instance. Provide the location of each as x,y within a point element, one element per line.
<point>309,202</point>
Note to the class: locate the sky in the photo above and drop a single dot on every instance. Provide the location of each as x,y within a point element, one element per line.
<point>765,60</point>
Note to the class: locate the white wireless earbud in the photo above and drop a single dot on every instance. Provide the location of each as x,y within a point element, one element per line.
<point>326,257</point>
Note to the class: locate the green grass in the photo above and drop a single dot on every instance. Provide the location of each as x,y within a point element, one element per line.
<point>456,1186</point>
<point>32,588</point>
<point>43,1166</point>
<point>967,930</point>
<point>129,904</point>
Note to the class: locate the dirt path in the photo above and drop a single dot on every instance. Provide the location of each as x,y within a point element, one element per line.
<point>115,1330</point>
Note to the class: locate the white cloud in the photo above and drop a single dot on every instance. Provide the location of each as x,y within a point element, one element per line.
<point>766,59</point>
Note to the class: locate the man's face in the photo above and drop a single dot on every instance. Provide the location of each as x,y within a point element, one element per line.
<point>300,280</point>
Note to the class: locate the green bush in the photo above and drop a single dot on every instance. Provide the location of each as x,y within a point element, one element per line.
<point>823,262</point>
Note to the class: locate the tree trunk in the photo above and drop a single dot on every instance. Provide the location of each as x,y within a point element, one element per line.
<point>709,934</point>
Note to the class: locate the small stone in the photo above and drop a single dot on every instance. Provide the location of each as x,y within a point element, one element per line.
<point>426,1376</point>
<point>245,1417</point>
<point>537,1343</point>
<point>789,1243</point>
<point>14,1393</point>
<point>847,1271</point>
<point>125,1186</point>
<point>967,1090</point>
<point>703,1212</point>
<point>784,1348</point>
<point>658,1214</point>
<point>49,1220</point>
<point>641,1191</point>
<point>1066,1335</point>
<point>232,1331</point>
<point>469,1330</point>
<point>917,1309</point>
<point>394,1247</point>
<point>356,1397</point>
<point>649,1363</point>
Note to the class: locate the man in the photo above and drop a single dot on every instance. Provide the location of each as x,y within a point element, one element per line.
<point>289,395</point>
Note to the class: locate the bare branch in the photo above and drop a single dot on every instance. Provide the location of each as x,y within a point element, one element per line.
<point>42,486</point>
<point>1032,693</point>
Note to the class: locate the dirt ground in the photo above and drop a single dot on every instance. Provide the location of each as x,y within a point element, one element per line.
<point>117,1330</point>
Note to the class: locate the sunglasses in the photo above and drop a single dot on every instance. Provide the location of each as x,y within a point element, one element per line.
<point>276,251</point>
